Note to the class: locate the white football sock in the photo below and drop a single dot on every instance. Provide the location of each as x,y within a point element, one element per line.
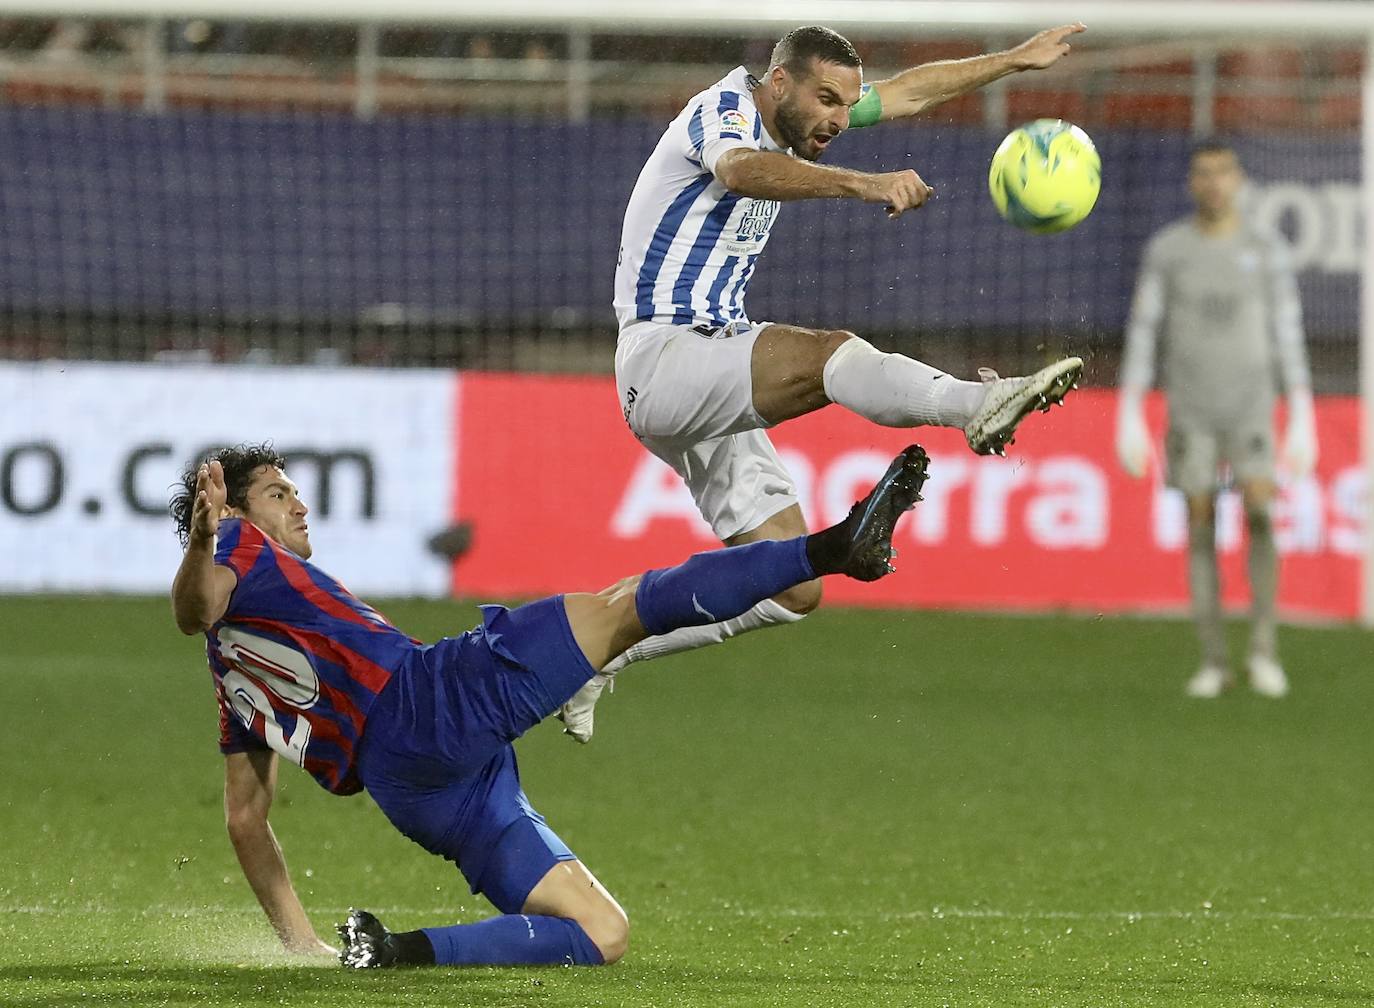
<point>897,391</point>
<point>766,613</point>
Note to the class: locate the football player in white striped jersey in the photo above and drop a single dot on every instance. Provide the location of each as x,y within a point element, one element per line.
<point>699,381</point>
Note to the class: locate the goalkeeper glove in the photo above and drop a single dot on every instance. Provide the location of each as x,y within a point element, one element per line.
<point>1132,436</point>
<point>1300,440</point>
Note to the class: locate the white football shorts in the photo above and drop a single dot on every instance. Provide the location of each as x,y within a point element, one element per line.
<point>687,394</point>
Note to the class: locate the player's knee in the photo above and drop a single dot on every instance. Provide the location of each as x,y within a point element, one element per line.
<point>1258,517</point>
<point>1257,496</point>
<point>830,340</point>
<point>606,623</point>
<point>625,586</point>
<point>1202,512</point>
<point>815,348</point>
<point>609,930</point>
<point>801,599</point>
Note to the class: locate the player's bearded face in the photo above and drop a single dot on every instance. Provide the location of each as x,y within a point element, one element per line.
<point>813,110</point>
<point>274,506</point>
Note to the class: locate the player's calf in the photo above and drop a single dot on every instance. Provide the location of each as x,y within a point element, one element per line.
<point>525,939</point>
<point>721,585</point>
<point>801,600</point>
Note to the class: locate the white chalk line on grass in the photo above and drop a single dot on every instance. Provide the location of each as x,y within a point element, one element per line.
<point>977,913</point>
<point>756,913</point>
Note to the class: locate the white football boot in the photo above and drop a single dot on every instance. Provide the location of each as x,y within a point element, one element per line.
<point>579,712</point>
<point>1008,400</point>
<point>1267,678</point>
<point>1209,682</point>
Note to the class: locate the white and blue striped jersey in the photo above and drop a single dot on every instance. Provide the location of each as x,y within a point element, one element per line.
<point>688,245</point>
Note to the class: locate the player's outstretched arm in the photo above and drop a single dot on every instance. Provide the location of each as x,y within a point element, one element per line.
<point>923,87</point>
<point>201,590</point>
<point>770,175</point>
<point>250,781</point>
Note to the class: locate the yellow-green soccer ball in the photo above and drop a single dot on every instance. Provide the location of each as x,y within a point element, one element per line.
<point>1045,176</point>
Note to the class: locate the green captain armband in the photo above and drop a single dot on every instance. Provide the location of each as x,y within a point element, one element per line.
<point>867,110</point>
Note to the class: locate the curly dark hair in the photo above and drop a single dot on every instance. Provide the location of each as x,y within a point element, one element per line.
<point>795,50</point>
<point>240,462</point>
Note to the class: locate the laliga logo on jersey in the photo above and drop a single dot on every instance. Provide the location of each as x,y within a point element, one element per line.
<point>734,121</point>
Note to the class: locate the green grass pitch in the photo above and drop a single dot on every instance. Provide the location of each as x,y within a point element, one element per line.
<point>870,808</point>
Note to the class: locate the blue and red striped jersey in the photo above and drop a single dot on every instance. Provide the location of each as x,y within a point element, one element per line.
<point>297,659</point>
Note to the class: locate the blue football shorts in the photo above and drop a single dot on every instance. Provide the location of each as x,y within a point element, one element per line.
<point>436,754</point>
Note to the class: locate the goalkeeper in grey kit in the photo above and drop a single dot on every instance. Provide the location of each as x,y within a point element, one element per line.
<point>1221,302</point>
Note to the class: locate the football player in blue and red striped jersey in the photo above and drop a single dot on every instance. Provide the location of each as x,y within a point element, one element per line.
<point>305,671</point>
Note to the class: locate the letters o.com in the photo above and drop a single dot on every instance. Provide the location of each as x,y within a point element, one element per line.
<point>32,478</point>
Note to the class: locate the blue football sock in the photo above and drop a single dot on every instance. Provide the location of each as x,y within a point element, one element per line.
<point>514,940</point>
<point>720,585</point>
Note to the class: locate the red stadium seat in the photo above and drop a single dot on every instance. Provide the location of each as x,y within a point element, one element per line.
<point>1148,109</point>
<point>916,53</point>
<point>1249,111</point>
<point>1247,80</point>
<point>966,109</point>
<point>1264,62</point>
<point>1182,67</point>
<point>1025,105</point>
<point>1346,62</point>
<point>1339,111</point>
<point>39,92</point>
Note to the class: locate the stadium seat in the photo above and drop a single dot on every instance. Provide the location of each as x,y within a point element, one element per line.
<point>915,53</point>
<point>1247,79</point>
<point>1346,62</point>
<point>966,110</point>
<point>1241,111</point>
<point>1339,111</point>
<point>1181,68</point>
<point>31,91</point>
<point>1154,110</point>
<point>1262,62</point>
<point>1025,105</point>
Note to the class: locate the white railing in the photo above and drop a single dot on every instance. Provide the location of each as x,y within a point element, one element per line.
<point>1315,18</point>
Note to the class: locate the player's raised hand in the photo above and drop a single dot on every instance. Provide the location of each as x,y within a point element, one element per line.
<point>211,497</point>
<point>898,191</point>
<point>1045,48</point>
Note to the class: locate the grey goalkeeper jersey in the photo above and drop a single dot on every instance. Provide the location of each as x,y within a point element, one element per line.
<point>1223,315</point>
